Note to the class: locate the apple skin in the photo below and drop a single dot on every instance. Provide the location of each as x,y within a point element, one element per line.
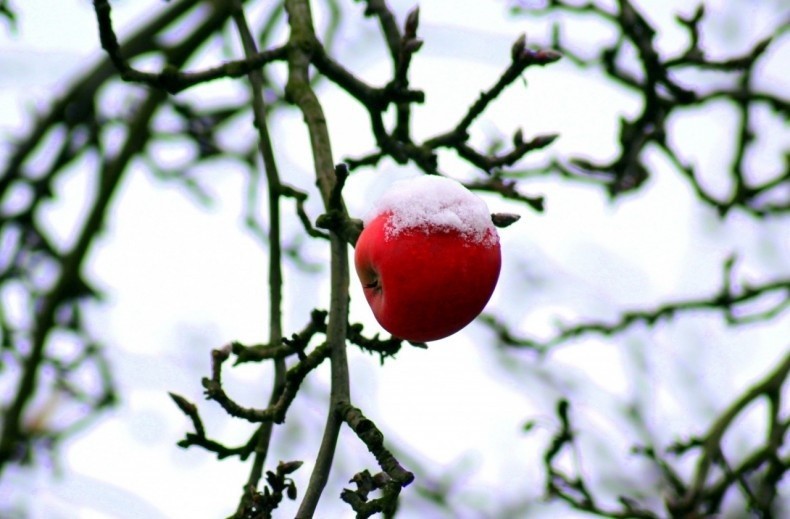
<point>425,286</point>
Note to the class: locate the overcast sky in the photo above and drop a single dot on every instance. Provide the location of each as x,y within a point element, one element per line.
<point>182,280</point>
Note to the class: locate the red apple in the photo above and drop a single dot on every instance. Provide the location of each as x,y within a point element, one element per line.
<point>428,259</point>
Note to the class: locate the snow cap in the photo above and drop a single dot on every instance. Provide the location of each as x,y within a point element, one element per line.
<point>434,203</point>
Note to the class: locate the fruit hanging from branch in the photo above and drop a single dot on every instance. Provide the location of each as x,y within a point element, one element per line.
<point>428,258</point>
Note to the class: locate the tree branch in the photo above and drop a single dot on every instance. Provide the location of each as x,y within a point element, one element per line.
<point>302,43</point>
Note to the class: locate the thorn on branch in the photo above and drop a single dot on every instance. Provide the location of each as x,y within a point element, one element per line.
<point>412,46</point>
<point>538,57</point>
<point>518,138</point>
<point>503,220</point>
<point>409,43</point>
<point>518,47</point>
<point>411,24</point>
<point>189,409</point>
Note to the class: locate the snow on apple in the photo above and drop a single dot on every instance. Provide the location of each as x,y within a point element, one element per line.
<point>435,203</point>
<point>428,258</point>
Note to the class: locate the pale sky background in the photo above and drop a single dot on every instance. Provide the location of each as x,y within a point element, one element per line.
<point>181,280</point>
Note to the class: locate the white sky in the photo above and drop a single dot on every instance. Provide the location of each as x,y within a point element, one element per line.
<point>182,280</point>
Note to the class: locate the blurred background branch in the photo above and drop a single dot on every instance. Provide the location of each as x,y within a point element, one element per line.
<point>669,85</point>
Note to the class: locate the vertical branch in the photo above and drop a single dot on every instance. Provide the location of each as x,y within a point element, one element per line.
<point>275,255</point>
<point>302,43</point>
